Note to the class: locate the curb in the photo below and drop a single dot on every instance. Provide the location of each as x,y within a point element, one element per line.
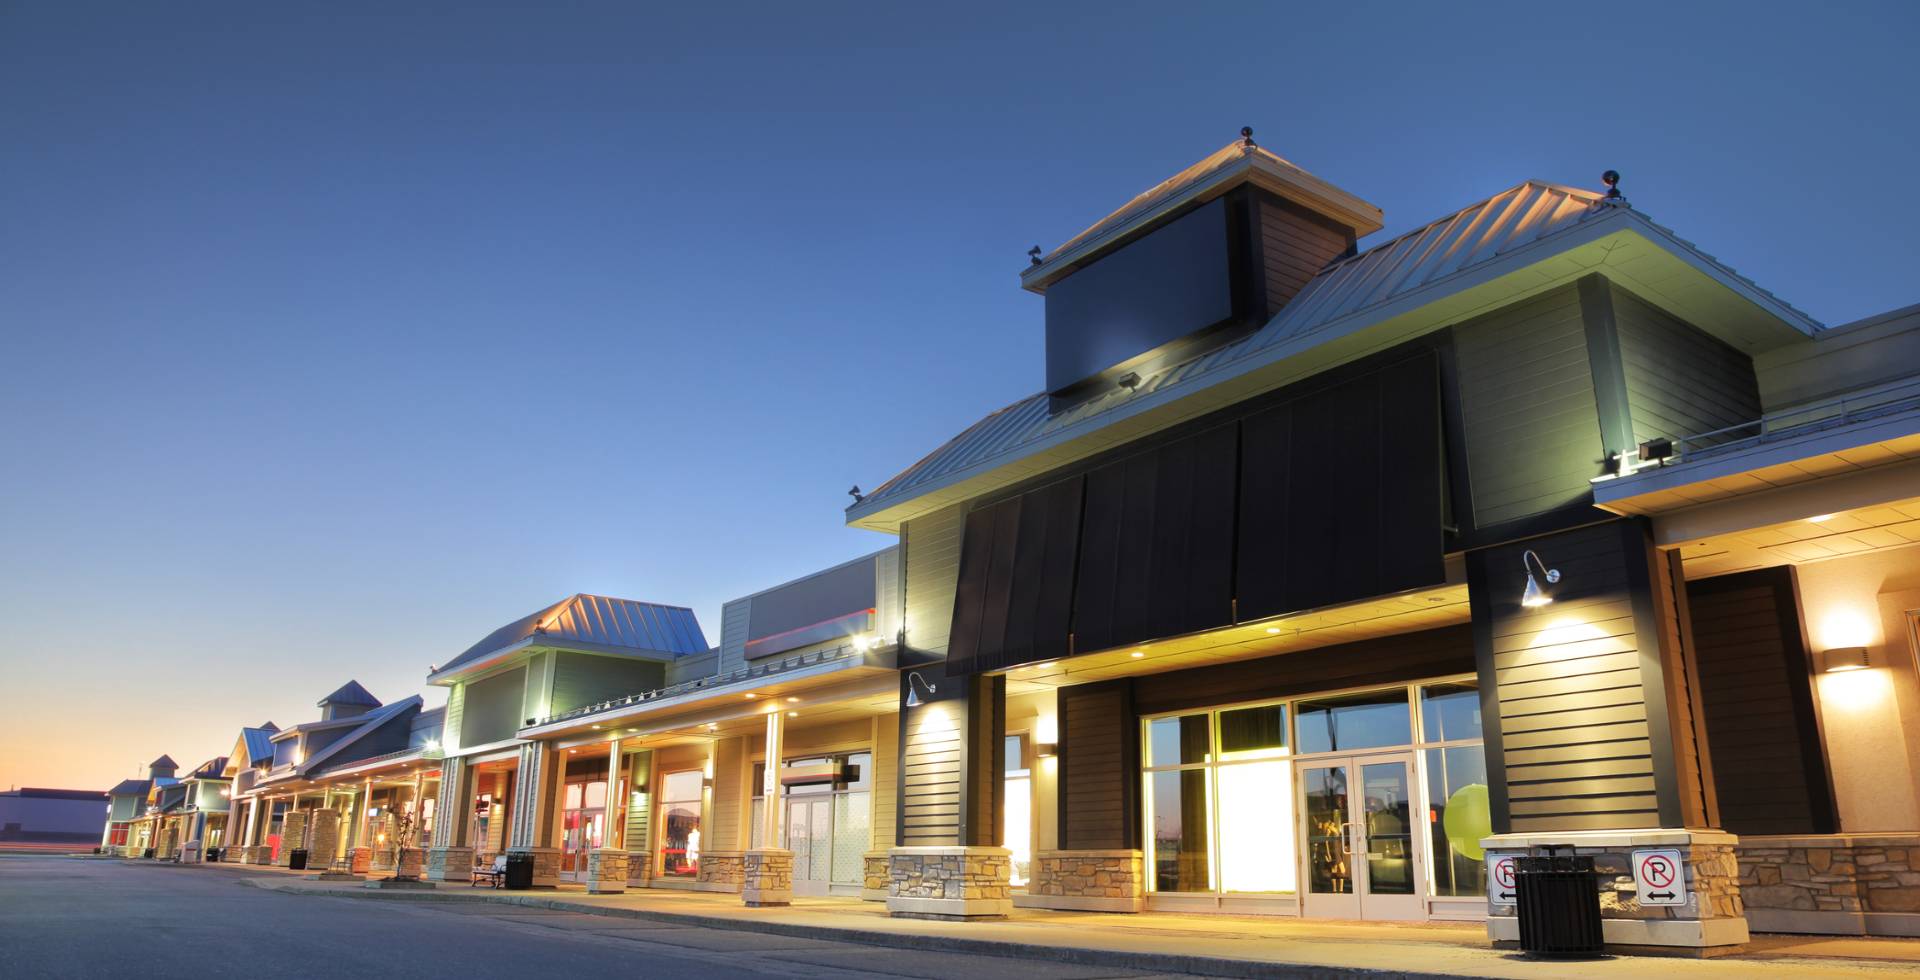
<point>1080,955</point>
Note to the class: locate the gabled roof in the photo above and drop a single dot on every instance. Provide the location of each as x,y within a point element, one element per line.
<point>209,769</point>
<point>164,762</point>
<point>1236,163</point>
<point>350,693</point>
<point>592,623</point>
<point>131,787</point>
<point>369,722</point>
<point>1523,240</point>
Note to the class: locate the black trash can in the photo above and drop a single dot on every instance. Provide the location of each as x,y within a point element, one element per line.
<point>148,854</point>
<point>298,859</point>
<point>519,874</point>
<point>1558,899</point>
<point>213,855</point>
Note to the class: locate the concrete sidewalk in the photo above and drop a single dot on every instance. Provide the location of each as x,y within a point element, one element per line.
<point>1215,945</point>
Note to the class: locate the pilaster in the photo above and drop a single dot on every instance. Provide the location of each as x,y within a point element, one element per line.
<point>767,877</point>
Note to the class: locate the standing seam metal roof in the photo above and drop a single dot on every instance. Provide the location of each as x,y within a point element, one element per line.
<point>599,620</point>
<point>1428,256</point>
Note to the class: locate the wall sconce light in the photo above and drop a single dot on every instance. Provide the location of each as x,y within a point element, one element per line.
<point>1655,451</point>
<point>913,696</point>
<point>1533,597</point>
<point>1046,750</point>
<point>1841,659</point>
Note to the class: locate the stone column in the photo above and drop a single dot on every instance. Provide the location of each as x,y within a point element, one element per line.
<point>450,858</point>
<point>293,836</point>
<point>607,865</point>
<point>767,872</point>
<point>947,862</point>
<point>324,834</point>
<point>538,781</point>
<point>1589,694</point>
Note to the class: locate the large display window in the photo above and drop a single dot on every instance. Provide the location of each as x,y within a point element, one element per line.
<point>1377,796</point>
<point>680,811</point>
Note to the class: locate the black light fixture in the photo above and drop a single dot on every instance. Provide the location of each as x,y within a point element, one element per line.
<point>1033,255</point>
<point>856,494</point>
<point>1130,380</point>
<point>1657,450</point>
<point>1612,179</point>
<point>1534,597</point>
<point>913,696</point>
<point>1841,659</point>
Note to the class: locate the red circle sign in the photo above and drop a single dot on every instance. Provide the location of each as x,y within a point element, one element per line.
<point>1503,872</point>
<point>1657,871</point>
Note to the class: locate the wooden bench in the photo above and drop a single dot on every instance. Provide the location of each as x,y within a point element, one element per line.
<point>493,876</point>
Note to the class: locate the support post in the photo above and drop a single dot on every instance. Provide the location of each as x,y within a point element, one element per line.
<point>767,872</point>
<point>607,865</point>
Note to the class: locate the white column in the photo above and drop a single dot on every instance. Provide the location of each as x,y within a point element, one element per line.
<point>771,810</point>
<point>616,817</point>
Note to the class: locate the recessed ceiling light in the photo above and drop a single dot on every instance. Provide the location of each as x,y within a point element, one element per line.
<point>793,714</point>
<point>793,700</point>
<point>751,695</point>
<point>1820,518</point>
<point>1137,654</point>
<point>596,728</point>
<point>1273,631</point>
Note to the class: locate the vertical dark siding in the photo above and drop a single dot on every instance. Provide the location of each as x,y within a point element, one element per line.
<point>1014,599</point>
<point>1099,767</point>
<point>1527,401</point>
<point>1157,553</point>
<point>1680,380</point>
<point>1756,685</point>
<point>1340,493</point>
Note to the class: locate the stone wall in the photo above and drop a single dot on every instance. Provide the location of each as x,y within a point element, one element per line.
<point>324,836</point>
<point>293,835</point>
<point>874,876</point>
<point>1094,881</point>
<point>767,877</point>
<point>639,867</point>
<point>450,864</point>
<point>722,871</point>
<point>606,871</point>
<point>1713,916</point>
<point>949,882</point>
<point>1844,884</point>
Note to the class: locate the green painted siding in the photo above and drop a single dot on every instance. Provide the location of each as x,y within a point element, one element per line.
<point>491,712</point>
<point>1527,400</point>
<point>1680,381</point>
<point>581,679</point>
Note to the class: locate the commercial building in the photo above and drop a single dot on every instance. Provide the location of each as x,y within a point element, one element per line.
<point>1319,579</point>
<point>33,816</point>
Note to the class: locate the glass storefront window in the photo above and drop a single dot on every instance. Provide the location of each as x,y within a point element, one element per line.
<point>1017,828</point>
<point>1370,720</point>
<point>680,840</point>
<point>1178,741</point>
<point>1457,820</point>
<point>1178,815</point>
<point>1450,712</point>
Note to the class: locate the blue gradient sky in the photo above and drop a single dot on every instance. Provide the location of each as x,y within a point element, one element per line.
<point>335,338</point>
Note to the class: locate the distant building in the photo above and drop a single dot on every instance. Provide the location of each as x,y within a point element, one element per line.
<point>51,817</point>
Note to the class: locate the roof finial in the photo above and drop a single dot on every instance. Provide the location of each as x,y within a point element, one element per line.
<point>1613,198</point>
<point>856,494</point>
<point>1246,136</point>
<point>1033,255</point>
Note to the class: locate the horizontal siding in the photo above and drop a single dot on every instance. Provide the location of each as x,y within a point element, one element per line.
<point>1575,739</point>
<point>581,679</point>
<point>735,619</point>
<point>886,779</point>
<point>931,549</point>
<point>1526,397</point>
<point>731,774</point>
<point>1294,250</point>
<point>1099,769</point>
<point>931,764</point>
<point>1680,380</point>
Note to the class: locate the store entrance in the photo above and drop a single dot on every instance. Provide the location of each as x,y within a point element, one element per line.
<point>810,837</point>
<point>583,824</point>
<point>1362,855</point>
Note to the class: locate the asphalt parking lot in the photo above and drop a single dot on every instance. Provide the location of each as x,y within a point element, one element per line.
<point>62,917</point>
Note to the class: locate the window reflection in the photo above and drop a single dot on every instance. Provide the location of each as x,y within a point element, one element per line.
<point>1355,721</point>
<point>1180,841</point>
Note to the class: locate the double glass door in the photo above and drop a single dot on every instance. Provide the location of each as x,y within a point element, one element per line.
<point>1362,855</point>
<point>583,822</point>
<point>810,838</point>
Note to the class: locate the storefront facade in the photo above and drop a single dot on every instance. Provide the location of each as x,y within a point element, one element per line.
<point>1322,580</point>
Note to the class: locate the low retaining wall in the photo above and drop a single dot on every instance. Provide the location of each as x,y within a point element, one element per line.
<point>1835,884</point>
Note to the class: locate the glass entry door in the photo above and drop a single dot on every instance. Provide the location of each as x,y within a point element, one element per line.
<point>583,822</point>
<point>810,837</point>
<point>1361,853</point>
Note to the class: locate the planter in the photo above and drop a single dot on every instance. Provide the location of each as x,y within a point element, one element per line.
<point>411,861</point>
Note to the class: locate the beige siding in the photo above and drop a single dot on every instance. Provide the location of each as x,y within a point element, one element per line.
<point>886,779</point>
<point>887,593</point>
<point>456,707</point>
<point>1574,735</point>
<point>931,767</point>
<point>1526,394</point>
<point>734,618</point>
<point>931,547</point>
<point>731,774</point>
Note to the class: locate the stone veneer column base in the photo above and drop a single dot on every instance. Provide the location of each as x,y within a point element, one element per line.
<point>1086,881</point>
<point>955,883</point>
<point>767,877</point>
<point>873,884</point>
<point>639,868</point>
<point>606,871</point>
<point>360,860</point>
<point>546,865</point>
<point>449,864</point>
<point>293,837</point>
<point>1712,922</point>
<point>721,871</point>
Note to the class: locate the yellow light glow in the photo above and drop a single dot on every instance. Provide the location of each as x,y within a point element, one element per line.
<point>1137,654</point>
<point>1819,518</point>
<point>1567,630</point>
<point>1856,690</point>
<point>751,695</point>
<point>1846,627</point>
<point>1046,729</point>
<point>1273,631</point>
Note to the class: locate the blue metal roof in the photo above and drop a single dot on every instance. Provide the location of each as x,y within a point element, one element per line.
<point>599,622</point>
<point>259,743</point>
<point>1414,269</point>
<point>350,693</point>
<point>131,787</point>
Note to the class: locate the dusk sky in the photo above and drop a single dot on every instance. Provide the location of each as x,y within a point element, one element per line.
<point>336,337</point>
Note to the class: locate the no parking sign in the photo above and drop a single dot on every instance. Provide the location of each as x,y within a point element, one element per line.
<point>1500,890</point>
<point>1659,877</point>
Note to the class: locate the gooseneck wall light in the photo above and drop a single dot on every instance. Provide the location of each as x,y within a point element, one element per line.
<point>913,695</point>
<point>1534,596</point>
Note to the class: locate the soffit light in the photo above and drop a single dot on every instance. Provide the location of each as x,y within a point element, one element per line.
<point>1841,659</point>
<point>1534,597</point>
<point>913,696</point>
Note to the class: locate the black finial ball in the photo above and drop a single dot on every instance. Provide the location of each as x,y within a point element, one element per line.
<point>1610,178</point>
<point>1246,132</point>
